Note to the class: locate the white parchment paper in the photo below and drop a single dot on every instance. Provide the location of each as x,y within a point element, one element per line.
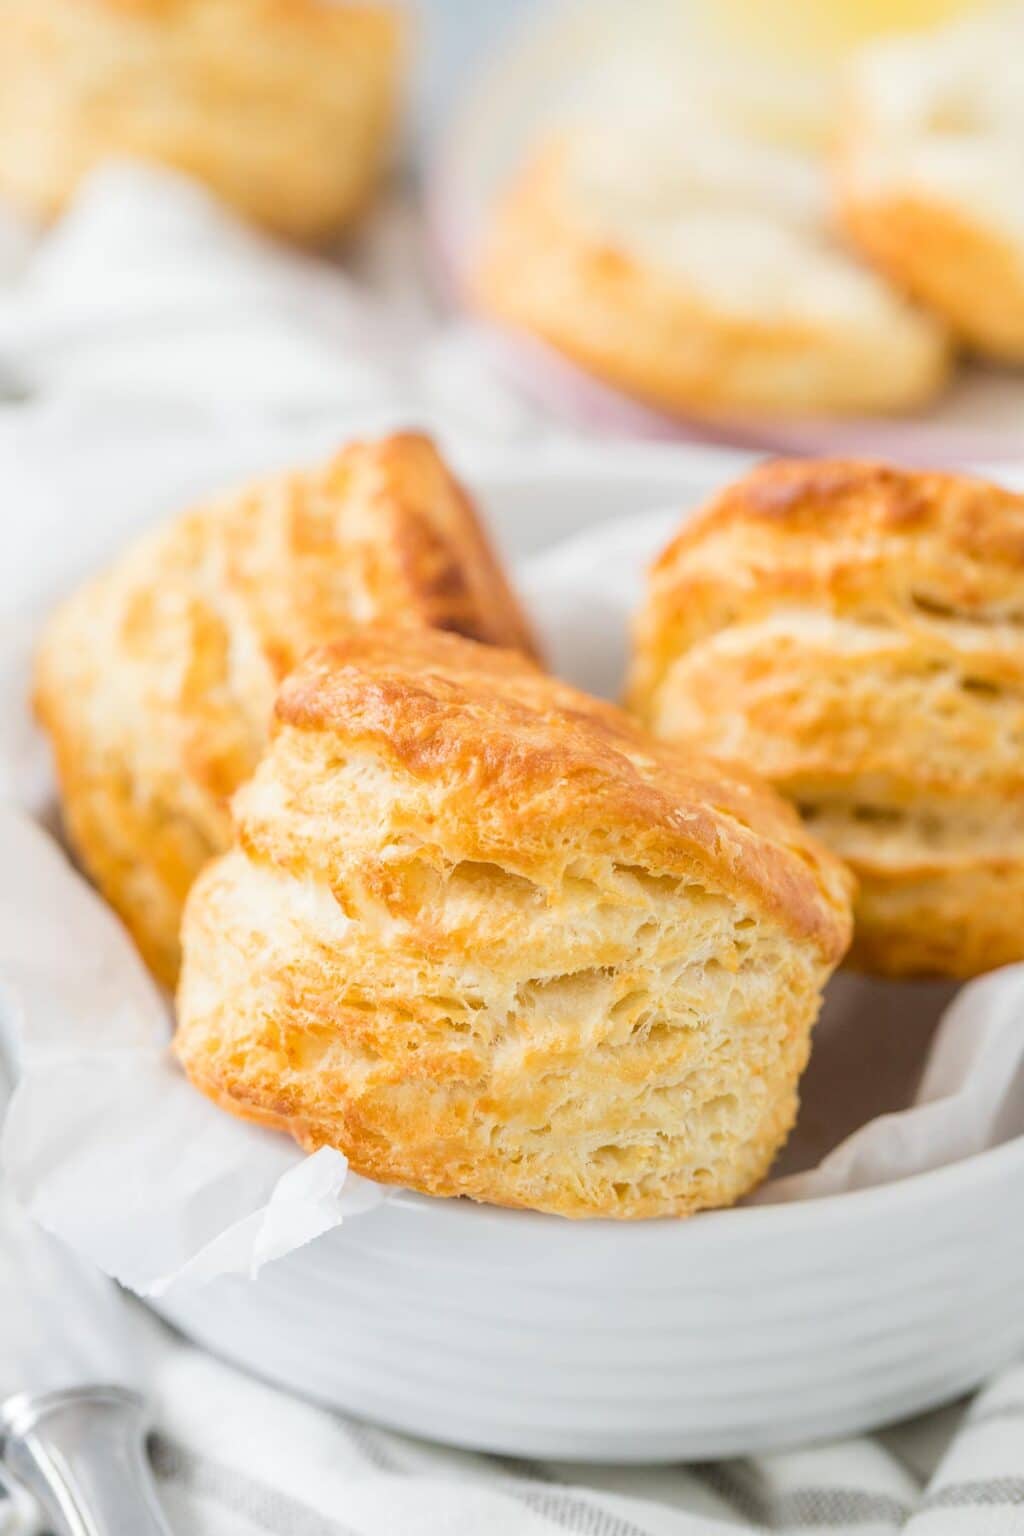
<point>112,1150</point>
<point>104,1139</point>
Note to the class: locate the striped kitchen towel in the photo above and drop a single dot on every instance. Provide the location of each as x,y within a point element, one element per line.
<point>235,1457</point>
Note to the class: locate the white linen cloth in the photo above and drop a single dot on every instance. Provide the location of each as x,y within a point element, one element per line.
<point>236,1457</point>
<point>152,301</point>
<point>147,289</point>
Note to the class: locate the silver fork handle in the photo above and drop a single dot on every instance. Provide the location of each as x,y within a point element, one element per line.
<point>82,1454</point>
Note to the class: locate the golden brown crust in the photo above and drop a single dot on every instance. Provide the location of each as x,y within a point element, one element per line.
<point>509,946</point>
<point>547,755</point>
<point>284,108</point>
<point>156,681</point>
<point>856,633</point>
<point>970,275</point>
<point>659,337</point>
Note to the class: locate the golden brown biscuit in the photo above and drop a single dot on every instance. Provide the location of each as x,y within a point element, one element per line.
<point>699,275</point>
<point>931,170</point>
<point>490,939</point>
<point>856,634</point>
<point>156,682</point>
<point>284,108</point>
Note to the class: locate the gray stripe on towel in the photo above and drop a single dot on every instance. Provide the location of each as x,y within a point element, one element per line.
<point>565,1508</point>
<point>984,1493</point>
<point>803,1509</point>
<point>800,1508</point>
<point>369,1445</point>
<point>735,1484</point>
<point>205,1479</point>
<point>833,1509</point>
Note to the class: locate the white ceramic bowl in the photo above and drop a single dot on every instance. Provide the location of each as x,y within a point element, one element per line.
<point>529,1335</point>
<point>733,1332</point>
<point>730,1333</point>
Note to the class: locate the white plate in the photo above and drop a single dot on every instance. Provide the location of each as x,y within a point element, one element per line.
<point>557,58</point>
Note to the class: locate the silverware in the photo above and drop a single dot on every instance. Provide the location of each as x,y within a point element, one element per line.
<point>81,1454</point>
<point>72,1429</point>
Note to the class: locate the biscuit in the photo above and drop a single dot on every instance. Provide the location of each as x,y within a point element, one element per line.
<point>700,276</point>
<point>156,682</point>
<point>283,108</point>
<point>488,938</point>
<point>930,172</point>
<point>856,634</point>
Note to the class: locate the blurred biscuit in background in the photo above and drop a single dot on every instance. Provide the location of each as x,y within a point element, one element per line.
<point>931,173</point>
<point>285,109</point>
<point>695,269</point>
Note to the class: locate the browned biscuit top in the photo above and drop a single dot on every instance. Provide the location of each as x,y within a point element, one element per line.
<point>529,763</point>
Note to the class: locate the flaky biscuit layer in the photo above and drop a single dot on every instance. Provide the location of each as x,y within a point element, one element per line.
<point>856,633</point>
<point>489,939</point>
<point>157,680</point>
